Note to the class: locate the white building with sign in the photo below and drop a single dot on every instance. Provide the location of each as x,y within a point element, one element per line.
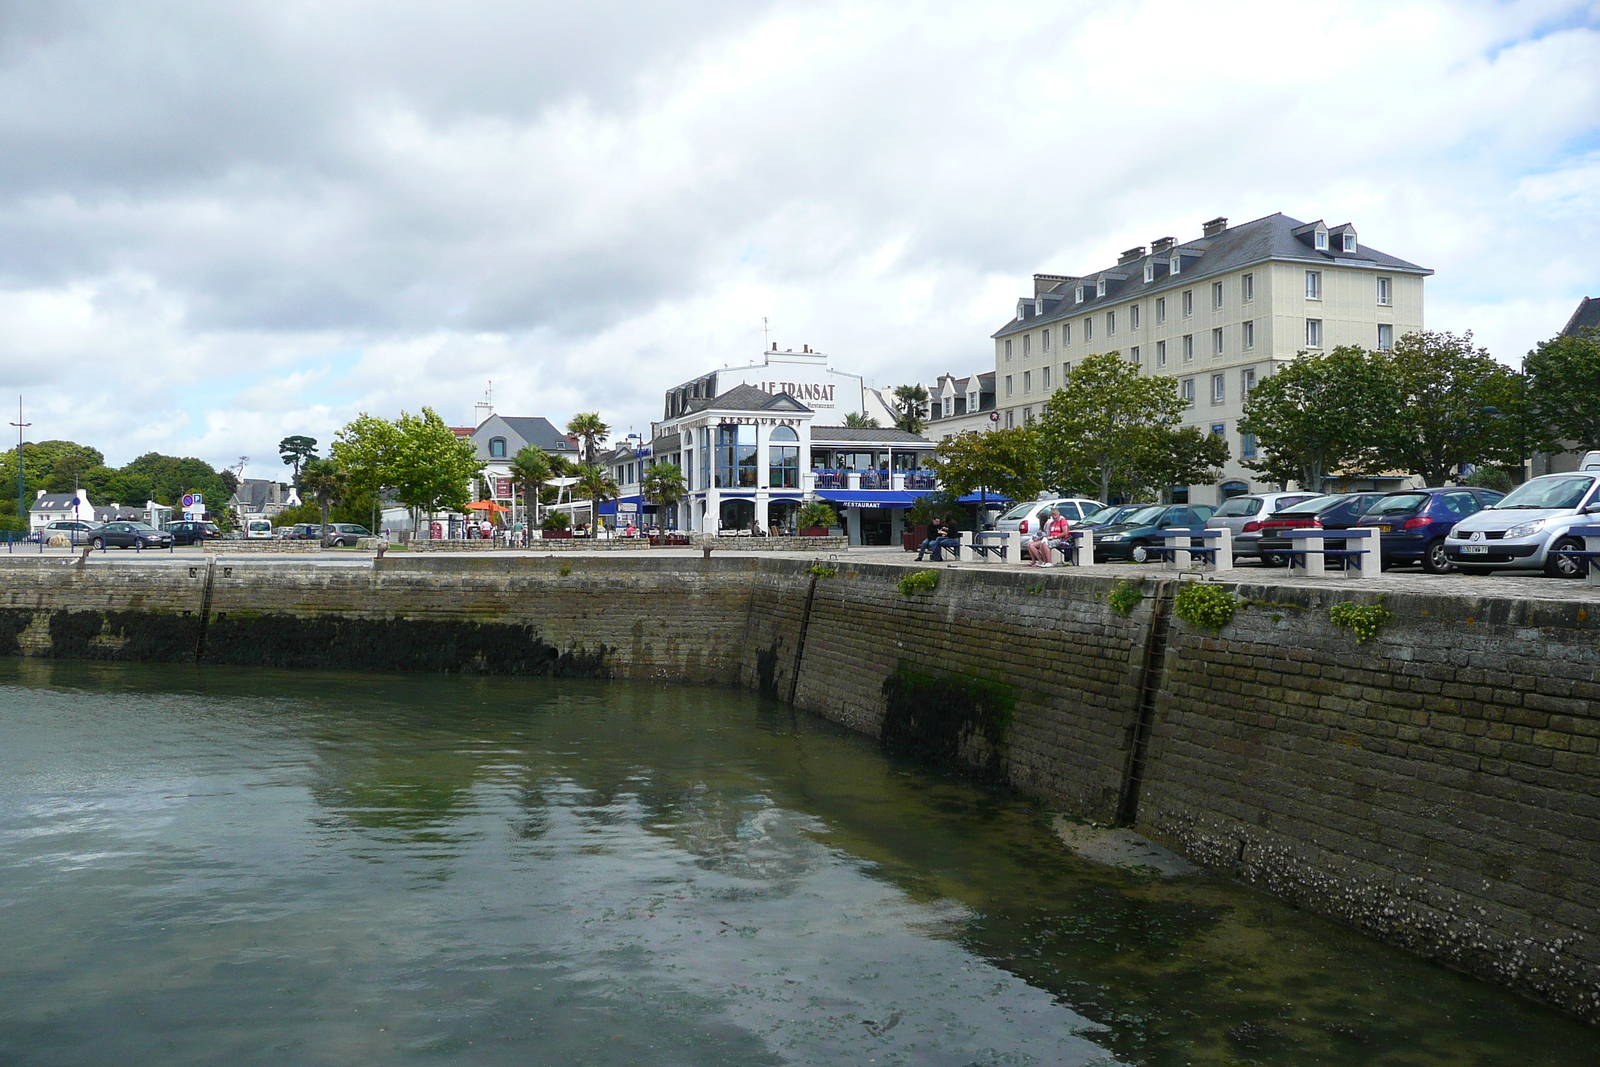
<point>805,376</point>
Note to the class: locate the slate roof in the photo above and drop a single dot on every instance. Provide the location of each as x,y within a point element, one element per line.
<point>539,431</point>
<point>746,398</point>
<point>55,502</point>
<point>876,435</point>
<point>1586,317</point>
<point>1274,237</point>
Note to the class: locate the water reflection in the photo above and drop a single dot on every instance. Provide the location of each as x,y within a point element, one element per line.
<point>374,869</point>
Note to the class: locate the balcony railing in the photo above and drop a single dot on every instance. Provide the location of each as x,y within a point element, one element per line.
<point>920,480</point>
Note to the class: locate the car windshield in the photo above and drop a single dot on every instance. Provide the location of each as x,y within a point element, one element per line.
<point>1021,511</point>
<point>1559,492</point>
<point>1105,514</point>
<point>1398,504</point>
<point>1312,506</point>
<point>1144,516</point>
<point>1237,507</point>
<point>140,526</point>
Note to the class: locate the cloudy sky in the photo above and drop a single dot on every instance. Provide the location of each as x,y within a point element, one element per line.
<point>225,223</point>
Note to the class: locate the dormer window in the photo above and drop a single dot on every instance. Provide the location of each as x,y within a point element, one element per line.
<point>497,448</point>
<point>1175,265</point>
<point>1149,271</point>
<point>1077,295</point>
<point>1021,311</point>
<point>1100,287</point>
<point>1038,307</point>
<point>1320,240</point>
<point>1349,242</point>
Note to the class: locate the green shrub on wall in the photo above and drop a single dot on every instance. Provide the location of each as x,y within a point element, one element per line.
<point>1363,620</point>
<point>822,570</point>
<point>1125,596</point>
<point>919,582</point>
<point>1209,607</point>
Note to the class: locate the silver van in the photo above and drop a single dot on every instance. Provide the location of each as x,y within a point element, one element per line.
<point>1519,531</point>
<point>1243,515</point>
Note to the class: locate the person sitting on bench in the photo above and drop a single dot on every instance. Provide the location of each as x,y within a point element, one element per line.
<point>939,539</point>
<point>1054,532</point>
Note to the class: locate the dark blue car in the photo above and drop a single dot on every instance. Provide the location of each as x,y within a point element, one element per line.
<point>1415,521</point>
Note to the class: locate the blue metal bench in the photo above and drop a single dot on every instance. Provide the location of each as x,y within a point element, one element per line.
<point>1311,560</point>
<point>1590,550</point>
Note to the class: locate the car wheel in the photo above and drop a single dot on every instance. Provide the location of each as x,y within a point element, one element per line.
<point>1566,566</point>
<point>1434,561</point>
<point>97,543</point>
<point>1272,559</point>
<point>1137,552</point>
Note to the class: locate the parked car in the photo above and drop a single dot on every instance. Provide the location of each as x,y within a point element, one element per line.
<point>257,529</point>
<point>187,532</point>
<point>306,531</point>
<point>1331,511</point>
<point>1129,537</point>
<point>1024,519</point>
<point>77,531</point>
<point>1107,515</point>
<point>346,533</point>
<point>1590,462</point>
<point>1243,515</point>
<point>1415,522</point>
<point>130,535</point>
<point>1519,531</point>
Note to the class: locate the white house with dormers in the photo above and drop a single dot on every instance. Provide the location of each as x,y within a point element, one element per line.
<point>1215,315</point>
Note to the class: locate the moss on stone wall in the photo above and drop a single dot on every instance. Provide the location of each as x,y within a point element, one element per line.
<point>959,719</point>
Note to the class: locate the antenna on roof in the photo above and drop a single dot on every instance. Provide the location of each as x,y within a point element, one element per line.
<point>765,339</point>
<point>484,409</point>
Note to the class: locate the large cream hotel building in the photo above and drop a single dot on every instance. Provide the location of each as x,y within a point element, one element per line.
<point>1216,315</point>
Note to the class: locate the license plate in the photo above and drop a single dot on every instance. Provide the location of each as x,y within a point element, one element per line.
<point>1383,526</point>
<point>1474,550</point>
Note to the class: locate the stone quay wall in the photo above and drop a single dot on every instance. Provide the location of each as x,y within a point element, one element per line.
<point>1437,786</point>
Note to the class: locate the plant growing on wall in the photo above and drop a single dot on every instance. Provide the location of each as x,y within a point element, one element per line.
<point>1209,607</point>
<point>1363,620</point>
<point>822,570</point>
<point>1125,596</point>
<point>919,582</point>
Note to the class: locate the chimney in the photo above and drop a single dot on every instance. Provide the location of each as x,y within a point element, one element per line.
<point>1214,227</point>
<point>1162,244</point>
<point>39,494</point>
<point>1136,252</point>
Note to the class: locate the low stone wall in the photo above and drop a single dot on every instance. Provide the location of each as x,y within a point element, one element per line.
<point>1437,786</point>
<point>261,546</point>
<point>772,544</point>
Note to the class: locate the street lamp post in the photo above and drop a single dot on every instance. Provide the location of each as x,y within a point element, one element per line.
<point>22,487</point>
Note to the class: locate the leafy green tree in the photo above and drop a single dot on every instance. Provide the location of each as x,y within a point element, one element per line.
<point>1453,405</point>
<point>417,457</point>
<point>1318,415</point>
<point>1003,462</point>
<point>1094,432</point>
<point>1174,455</point>
<point>662,484</point>
<point>327,481</point>
<point>74,466</point>
<point>530,469</point>
<point>168,478</point>
<point>911,407</point>
<point>860,420</point>
<point>590,431</point>
<point>1563,399</point>
<point>297,450</point>
<point>596,485</point>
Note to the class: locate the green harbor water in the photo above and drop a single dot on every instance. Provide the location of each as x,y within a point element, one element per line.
<point>216,866</point>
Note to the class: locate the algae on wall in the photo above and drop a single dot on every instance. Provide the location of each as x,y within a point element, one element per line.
<point>949,717</point>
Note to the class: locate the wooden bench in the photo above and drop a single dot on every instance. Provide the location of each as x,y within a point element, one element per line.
<point>1311,561</point>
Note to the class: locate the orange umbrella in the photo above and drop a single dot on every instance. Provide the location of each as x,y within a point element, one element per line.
<point>485,505</point>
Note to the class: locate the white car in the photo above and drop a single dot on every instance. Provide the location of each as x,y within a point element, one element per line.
<point>1243,515</point>
<point>1519,532</point>
<point>1022,521</point>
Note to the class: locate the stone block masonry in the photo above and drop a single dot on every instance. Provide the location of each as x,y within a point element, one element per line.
<point>1437,786</point>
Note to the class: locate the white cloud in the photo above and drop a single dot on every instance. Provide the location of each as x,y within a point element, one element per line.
<point>227,225</point>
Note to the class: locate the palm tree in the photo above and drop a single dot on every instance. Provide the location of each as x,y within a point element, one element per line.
<point>662,483</point>
<point>530,470</point>
<point>597,485</point>
<point>910,407</point>
<point>861,421</point>
<point>587,427</point>
<point>328,481</point>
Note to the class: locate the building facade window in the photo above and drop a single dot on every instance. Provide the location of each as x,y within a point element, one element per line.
<point>1027,381</point>
<point>1188,347</point>
<point>1161,310</point>
<point>1133,316</point>
<point>1027,345</point>
<point>1161,353</point>
<point>1088,330</point>
<point>1186,391</point>
<point>1133,354</point>
<point>1188,302</point>
<point>1247,288</point>
<point>783,458</point>
<point>1216,295</point>
<point>1011,422</point>
<point>1219,388</point>
<point>1027,416</point>
<point>1313,285</point>
<point>1008,385</point>
<point>1008,350</point>
<point>1066,334</point>
<point>1044,341</point>
<point>1044,378</point>
<point>1216,341</point>
<point>1175,264</point>
<point>1149,271</point>
<point>1385,336</point>
<point>1066,369</point>
<point>1313,333</point>
<point>1385,291</point>
<point>736,457</point>
<point>1247,334</point>
<point>1320,240</point>
<point>1077,295</point>
<point>1247,381</point>
<point>1100,287</point>
<point>1111,323</point>
<point>497,448</point>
